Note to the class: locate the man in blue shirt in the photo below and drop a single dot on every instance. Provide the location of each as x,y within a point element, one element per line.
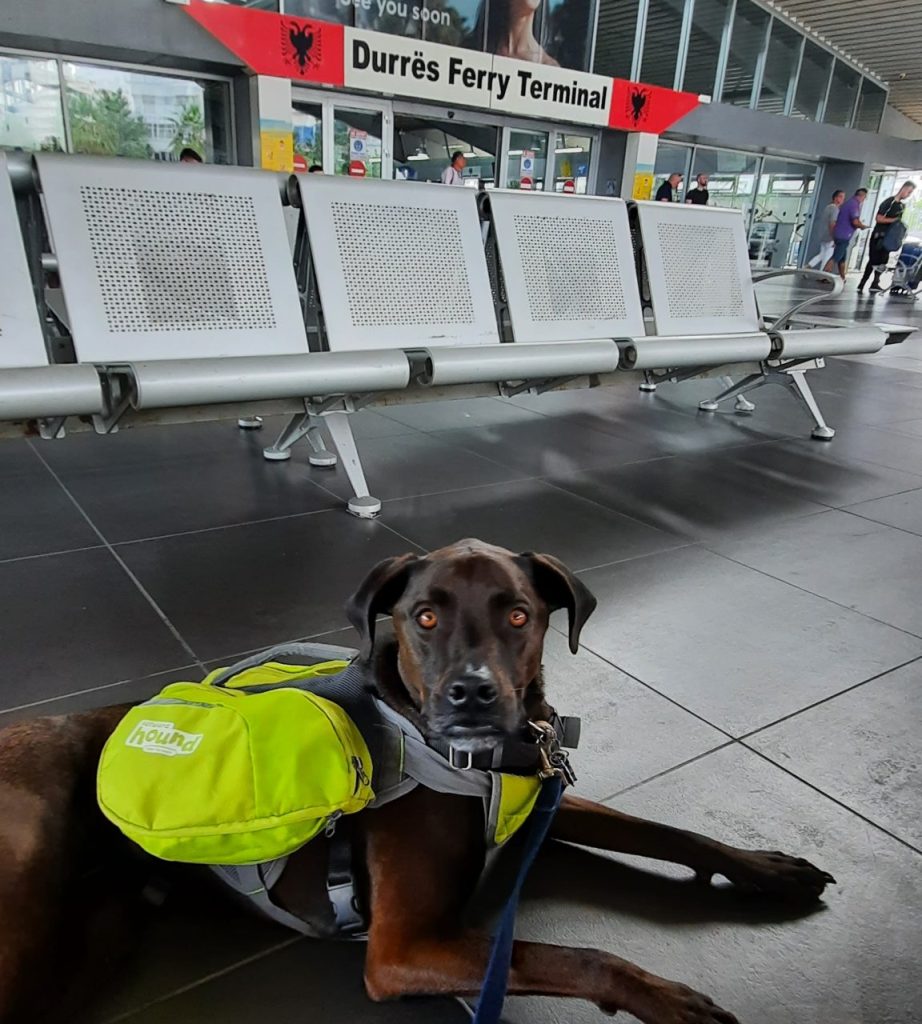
<point>847,223</point>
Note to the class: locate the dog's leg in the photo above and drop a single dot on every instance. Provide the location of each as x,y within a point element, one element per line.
<point>423,855</point>
<point>590,824</point>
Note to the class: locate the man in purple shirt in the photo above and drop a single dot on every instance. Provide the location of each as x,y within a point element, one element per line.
<point>847,223</point>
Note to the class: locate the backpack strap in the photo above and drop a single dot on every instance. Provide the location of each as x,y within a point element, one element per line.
<point>314,652</point>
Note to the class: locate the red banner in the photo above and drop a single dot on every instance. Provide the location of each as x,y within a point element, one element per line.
<point>276,45</point>
<point>307,50</point>
<point>636,107</point>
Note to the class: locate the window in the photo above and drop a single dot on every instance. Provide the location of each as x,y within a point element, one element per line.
<point>527,159</point>
<point>707,29</point>
<point>30,104</point>
<point>571,161</point>
<point>307,126</point>
<point>780,67</point>
<point>661,42</point>
<point>423,147</point>
<point>357,140</point>
<point>871,104</point>
<point>842,95</point>
<point>614,47</point>
<point>114,112</point>
<point>671,159</point>
<point>747,41</point>
<point>812,82</point>
<point>784,200</point>
<point>732,177</point>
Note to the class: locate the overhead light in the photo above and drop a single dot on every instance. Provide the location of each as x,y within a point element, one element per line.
<point>418,156</point>
<point>570,149</point>
<point>515,152</point>
<point>470,156</point>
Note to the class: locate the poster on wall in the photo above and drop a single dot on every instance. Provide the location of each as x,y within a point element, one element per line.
<point>557,33</point>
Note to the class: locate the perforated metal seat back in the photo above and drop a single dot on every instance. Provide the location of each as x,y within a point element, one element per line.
<point>171,261</point>
<point>568,266</point>
<point>21,342</point>
<point>697,262</point>
<point>398,264</point>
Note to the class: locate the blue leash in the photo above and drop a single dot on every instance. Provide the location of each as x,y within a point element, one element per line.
<point>496,979</point>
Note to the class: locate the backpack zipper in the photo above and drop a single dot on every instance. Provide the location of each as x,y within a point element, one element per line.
<point>330,828</point>
<point>361,774</point>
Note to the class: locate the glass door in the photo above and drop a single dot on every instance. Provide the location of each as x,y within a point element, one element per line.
<point>784,200</point>
<point>572,161</point>
<point>346,135</point>
<point>527,158</point>
<point>424,146</point>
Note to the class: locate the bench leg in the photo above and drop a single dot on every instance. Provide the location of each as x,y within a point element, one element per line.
<point>649,384</point>
<point>300,425</point>
<point>363,504</point>
<point>250,422</point>
<point>801,389</point>
<point>742,403</point>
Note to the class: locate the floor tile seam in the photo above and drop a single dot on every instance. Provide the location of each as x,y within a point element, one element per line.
<point>461,490</point>
<point>647,686</point>
<point>880,497</point>
<point>805,590</point>
<point>148,597</point>
<point>219,526</point>
<point>831,697</point>
<point>832,799</point>
<point>127,1015</point>
<point>94,689</point>
<point>688,545</point>
<point>51,554</point>
<point>870,519</point>
<point>683,542</point>
<point>668,771</point>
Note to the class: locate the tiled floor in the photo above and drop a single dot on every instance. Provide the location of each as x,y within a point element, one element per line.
<point>754,669</point>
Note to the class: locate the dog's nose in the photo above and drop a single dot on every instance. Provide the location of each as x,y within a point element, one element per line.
<point>472,692</point>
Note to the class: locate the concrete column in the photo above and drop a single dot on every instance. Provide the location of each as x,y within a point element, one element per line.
<point>639,161</point>
<point>273,116</point>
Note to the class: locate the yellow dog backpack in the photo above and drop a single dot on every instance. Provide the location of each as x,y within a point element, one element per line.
<point>240,770</point>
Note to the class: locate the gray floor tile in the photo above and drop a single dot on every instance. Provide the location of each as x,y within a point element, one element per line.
<point>458,414</point>
<point>883,447</point>
<point>75,621</point>
<point>412,464</point>
<point>855,562</point>
<point>247,587</point>
<point>629,733</point>
<point>732,645</point>
<point>36,516</point>
<point>863,747</point>
<point>696,497</point>
<point>903,511</point>
<point>526,515</point>
<point>308,981</point>
<point>123,692</point>
<point>911,427</point>
<point>853,960</point>
<point>821,472</point>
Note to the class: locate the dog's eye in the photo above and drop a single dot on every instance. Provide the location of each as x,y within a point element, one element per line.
<point>427,618</point>
<point>518,618</point>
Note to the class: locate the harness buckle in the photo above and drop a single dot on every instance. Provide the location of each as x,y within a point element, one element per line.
<point>554,762</point>
<point>453,759</point>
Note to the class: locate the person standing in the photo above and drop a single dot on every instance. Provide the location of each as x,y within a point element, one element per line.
<point>884,238</point>
<point>828,220</point>
<point>452,173</point>
<point>699,195</point>
<point>847,223</point>
<point>666,192</point>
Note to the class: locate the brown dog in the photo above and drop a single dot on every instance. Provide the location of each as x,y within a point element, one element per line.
<point>465,666</point>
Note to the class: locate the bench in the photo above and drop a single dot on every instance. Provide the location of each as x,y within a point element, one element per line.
<point>30,386</point>
<point>179,293</point>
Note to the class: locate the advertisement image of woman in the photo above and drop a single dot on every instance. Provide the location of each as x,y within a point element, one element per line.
<point>512,31</point>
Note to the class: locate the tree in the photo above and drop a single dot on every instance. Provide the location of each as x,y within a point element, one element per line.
<point>188,129</point>
<point>102,123</point>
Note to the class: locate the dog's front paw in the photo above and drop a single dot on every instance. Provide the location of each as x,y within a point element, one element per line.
<point>772,871</point>
<point>668,1002</point>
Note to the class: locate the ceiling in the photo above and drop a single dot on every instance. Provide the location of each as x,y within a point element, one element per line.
<point>885,35</point>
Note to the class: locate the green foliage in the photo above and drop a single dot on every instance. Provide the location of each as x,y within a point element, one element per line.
<point>102,123</point>
<point>188,129</point>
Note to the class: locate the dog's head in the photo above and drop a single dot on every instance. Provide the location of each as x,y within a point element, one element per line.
<point>469,621</point>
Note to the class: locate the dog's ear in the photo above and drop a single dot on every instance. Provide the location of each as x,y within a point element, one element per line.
<point>558,587</point>
<point>379,592</point>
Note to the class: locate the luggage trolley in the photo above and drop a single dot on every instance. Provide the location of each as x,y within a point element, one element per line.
<point>907,274</point>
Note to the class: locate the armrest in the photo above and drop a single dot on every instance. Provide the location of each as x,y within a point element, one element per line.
<point>820,276</point>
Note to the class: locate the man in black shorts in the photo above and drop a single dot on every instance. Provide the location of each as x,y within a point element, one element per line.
<point>881,242</point>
